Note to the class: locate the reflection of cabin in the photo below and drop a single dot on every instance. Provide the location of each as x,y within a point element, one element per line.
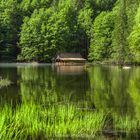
<point>69,58</point>
<point>70,70</point>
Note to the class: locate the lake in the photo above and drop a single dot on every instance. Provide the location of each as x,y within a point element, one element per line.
<point>100,87</point>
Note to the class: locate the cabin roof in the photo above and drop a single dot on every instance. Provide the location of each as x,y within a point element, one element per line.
<point>70,56</point>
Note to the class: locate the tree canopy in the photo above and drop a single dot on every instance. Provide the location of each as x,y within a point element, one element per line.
<point>35,30</point>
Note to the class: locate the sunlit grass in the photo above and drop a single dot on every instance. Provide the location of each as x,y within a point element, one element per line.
<point>31,120</point>
<point>47,117</point>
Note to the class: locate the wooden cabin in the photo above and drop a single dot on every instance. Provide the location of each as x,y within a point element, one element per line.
<point>69,58</point>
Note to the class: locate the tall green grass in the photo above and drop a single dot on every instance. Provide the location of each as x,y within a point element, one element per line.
<point>31,120</point>
<point>126,124</point>
<point>49,116</point>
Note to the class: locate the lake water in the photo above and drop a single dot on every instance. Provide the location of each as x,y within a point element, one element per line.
<point>102,87</point>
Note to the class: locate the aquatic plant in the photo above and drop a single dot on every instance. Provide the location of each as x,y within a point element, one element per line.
<point>4,82</point>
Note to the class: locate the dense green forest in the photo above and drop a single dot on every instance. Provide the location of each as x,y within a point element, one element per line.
<point>101,30</point>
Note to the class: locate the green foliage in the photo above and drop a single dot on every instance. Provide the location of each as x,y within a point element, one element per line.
<point>28,6</point>
<point>103,5</point>
<point>9,25</point>
<point>120,34</point>
<point>35,35</point>
<point>36,30</point>
<point>134,38</point>
<point>120,26</point>
<point>85,18</point>
<point>101,42</point>
<point>47,31</point>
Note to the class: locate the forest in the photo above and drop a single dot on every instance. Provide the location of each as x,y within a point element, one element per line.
<point>78,97</point>
<point>101,30</point>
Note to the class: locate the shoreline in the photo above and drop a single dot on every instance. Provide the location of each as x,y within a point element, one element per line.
<point>88,63</point>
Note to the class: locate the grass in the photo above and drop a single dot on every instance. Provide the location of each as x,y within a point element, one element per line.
<point>31,120</point>
<point>4,82</point>
<point>126,124</point>
<point>49,116</point>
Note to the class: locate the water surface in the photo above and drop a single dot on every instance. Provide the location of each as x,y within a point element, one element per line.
<point>103,87</point>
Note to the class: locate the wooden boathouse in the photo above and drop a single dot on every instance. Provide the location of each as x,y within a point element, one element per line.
<point>69,58</point>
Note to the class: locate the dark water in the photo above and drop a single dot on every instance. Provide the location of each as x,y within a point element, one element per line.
<point>103,87</point>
